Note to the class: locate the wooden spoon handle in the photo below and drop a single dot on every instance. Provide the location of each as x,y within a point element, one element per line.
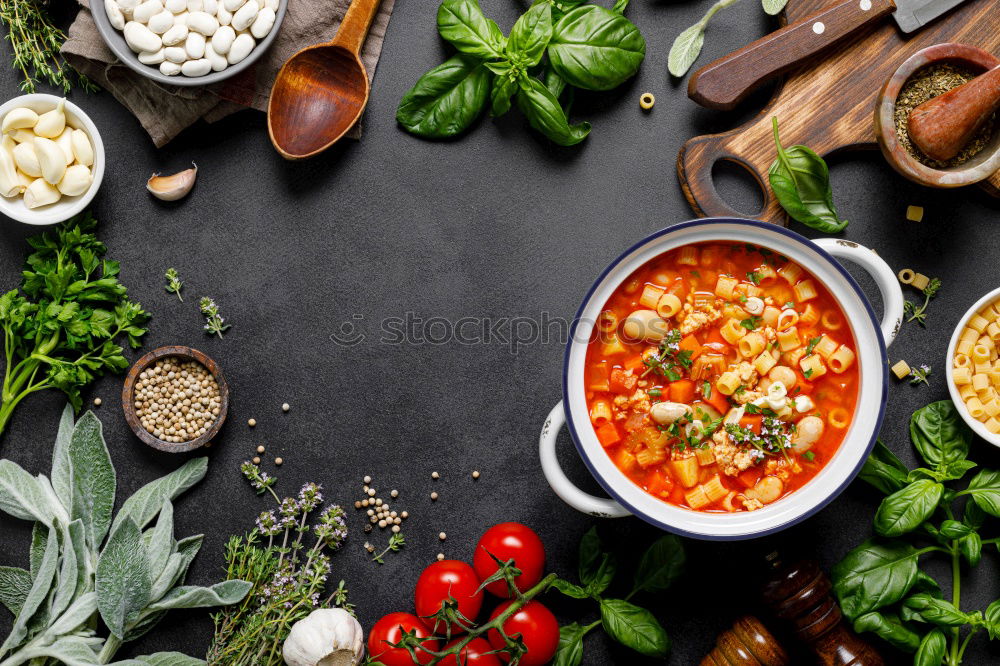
<point>726,82</point>
<point>354,28</point>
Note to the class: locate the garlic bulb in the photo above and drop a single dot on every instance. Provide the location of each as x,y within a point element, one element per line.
<point>172,188</point>
<point>327,637</point>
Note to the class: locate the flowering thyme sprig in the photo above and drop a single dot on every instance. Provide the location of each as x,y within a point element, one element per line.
<point>174,284</point>
<point>920,374</point>
<point>214,323</point>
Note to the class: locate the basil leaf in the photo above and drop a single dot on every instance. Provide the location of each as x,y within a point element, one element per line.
<point>773,7</point>
<point>992,619</point>
<point>530,35</point>
<point>462,23</point>
<point>590,555</point>
<point>35,599</point>
<point>191,596</point>
<point>939,434</point>
<point>661,564</point>
<point>937,611</point>
<point>952,529</point>
<point>931,650</point>
<point>14,586</point>
<point>93,479</point>
<point>501,92</point>
<point>884,470</point>
<point>555,83</point>
<point>906,509</point>
<point>570,652</point>
<point>973,515</point>
<point>889,630</point>
<point>143,506</point>
<point>123,578</point>
<point>985,491</point>
<point>971,548</point>
<point>546,116</point>
<point>446,100</point>
<point>874,575</point>
<point>570,589</point>
<point>596,49</point>
<point>800,180</point>
<point>634,627</point>
<point>957,469</point>
<point>620,6</point>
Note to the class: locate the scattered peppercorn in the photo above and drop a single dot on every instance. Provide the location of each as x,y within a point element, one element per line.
<point>256,460</point>
<point>434,496</point>
<point>278,461</point>
<point>395,529</point>
<point>97,402</point>
<point>435,476</point>
<point>260,449</point>
<point>442,536</point>
<point>368,479</point>
<point>394,493</point>
<point>285,407</point>
<point>440,556</point>
<point>404,515</point>
<point>475,474</point>
<point>252,422</point>
<point>357,504</point>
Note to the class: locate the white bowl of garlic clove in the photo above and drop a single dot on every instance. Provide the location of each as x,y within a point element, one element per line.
<point>26,194</point>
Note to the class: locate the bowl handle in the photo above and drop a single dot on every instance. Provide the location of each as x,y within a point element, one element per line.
<point>564,488</point>
<point>874,265</point>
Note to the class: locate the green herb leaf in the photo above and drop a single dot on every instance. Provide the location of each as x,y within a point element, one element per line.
<point>596,49</point>
<point>952,529</point>
<point>93,479</point>
<point>62,468</point>
<point>34,600</point>
<point>570,589</point>
<point>14,586</point>
<point>634,627</point>
<point>177,566</point>
<point>462,23</point>
<point>220,594</point>
<point>143,506</point>
<point>169,659</point>
<point>545,114</point>
<point>971,548</point>
<point>800,180</point>
<point>21,495</point>
<point>661,564</point>
<point>773,7</point>
<point>686,49</point>
<point>884,470</point>
<point>446,100</point>
<point>985,491</point>
<point>530,35</point>
<point>888,629</point>
<point>937,611</point>
<point>160,542</point>
<point>501,92</point>
<point>874,575</point>
<point>939,433</point>
<point>123,578</point>
<point>570,652</point>
<point>69,650</point>
<point>904,510</point>
<point>932,649</point>
<point>992,617</point>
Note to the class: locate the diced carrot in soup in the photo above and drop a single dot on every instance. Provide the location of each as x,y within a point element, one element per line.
<point>655,392</point>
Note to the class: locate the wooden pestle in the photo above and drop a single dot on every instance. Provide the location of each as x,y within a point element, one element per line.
<point>943,125</point>
<point>746,643</point>
<point>801,594</point>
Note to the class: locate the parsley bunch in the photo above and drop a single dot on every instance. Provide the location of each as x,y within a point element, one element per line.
<point>60,328</point>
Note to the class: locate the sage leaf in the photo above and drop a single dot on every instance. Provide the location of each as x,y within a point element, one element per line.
<point>21,495</point>
<point>634,627</point>
<point>39,541</point>
<point>530,35</point>
<point>94,481</point>
<point>939,434</point>
<point>143,506</point>
<point>76,615</point>
<point>889,630</point>
<point>161,542</point>
<point>661,564</point>
<point>123,578</point>
<point>67,579</point>
<point>40,588</point>
<point>932,649</point>
<point>800,179</point>
<point>445,100</point>
<point>220,594</point>
<point>462,23</point>
<point>596,49</point>
<point>69,650</point>
<point>169,659</point>
<point>985,491</point>
<point>14,586</point>
<point>773,7</point>
<point>936,611</point>
<point>176,567</point>
<point>884,470</point>
<point>62,468</point>
<point>545,115</point>
<point>904,510</point>
<point>874,575</point>
<point>570,651</point>
<point>687,46</point>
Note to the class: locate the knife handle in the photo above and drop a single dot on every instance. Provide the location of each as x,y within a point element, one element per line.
<point>726,82</point>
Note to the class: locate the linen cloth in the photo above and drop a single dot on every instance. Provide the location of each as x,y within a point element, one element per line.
<point>165,111</point>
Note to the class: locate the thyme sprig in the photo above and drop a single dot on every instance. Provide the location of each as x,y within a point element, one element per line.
<point>36,42</point>
<point>396,542</point>
<point>214,323</point>
<point>174,284</point>
<point>919,313</point>
<point>669,360</point>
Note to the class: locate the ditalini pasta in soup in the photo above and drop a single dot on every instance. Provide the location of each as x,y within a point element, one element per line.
<point>977,366</point>
<point>721,377</point>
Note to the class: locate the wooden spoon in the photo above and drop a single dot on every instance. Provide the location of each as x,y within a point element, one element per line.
<point>322,90</point>
<point>942,126</point>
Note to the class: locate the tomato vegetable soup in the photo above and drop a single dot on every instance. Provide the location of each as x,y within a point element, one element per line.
<point>721,377</point>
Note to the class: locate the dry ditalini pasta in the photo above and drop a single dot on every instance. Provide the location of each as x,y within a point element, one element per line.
<point>977,366</point>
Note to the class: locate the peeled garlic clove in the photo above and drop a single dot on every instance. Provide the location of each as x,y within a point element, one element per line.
<point>172,188</point>
<point>40,193</point>
<point>22,117</point>
<point>27,160</point>
<point>10,184</point>
<point>51,123</point>
<point>24,179</point>
<point>76,181</point>
<point>51,160</point>
<point>22,135</point>
<point>65,143</point>
<point>83,150</point>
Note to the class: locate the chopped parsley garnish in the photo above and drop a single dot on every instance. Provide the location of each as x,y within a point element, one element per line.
<point>740,390</point>
<point>808,373</point>
<point>656,393</point>
<point>812,344</point>
<point>809,455</point>
<point>753,276</point>
<point>755,409</point>
<point>706,390</point>
<point>790,304</point>
<point>751,323</point>
<point>743,299</point>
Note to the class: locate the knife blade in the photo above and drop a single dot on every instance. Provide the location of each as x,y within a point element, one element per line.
<point>726,82</point>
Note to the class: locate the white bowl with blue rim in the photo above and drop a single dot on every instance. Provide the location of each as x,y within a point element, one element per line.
<point>871,335</point>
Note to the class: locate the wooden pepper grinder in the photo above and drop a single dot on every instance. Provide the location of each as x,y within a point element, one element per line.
<point>943,125</point>
<point>801,594</point>
<point>746,643</point>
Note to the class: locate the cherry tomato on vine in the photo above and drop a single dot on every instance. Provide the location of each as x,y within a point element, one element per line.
<point>387,631</point>
<point>476,653</point>
<point>537,627</point>
<point>510,541</point>
<point>438,582</point>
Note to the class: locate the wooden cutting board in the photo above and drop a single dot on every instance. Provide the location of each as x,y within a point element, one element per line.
<point>828,103</point>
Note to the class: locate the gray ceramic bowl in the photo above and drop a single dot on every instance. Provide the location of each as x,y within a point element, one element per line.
<point>116,42</point>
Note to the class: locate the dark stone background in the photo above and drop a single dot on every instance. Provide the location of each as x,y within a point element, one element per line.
<point>499,223</point>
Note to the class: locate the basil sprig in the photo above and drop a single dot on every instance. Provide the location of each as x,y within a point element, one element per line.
<point>880,584</point>
<point>800,180</point>
<point>554,45</point>
<point>627,623</point>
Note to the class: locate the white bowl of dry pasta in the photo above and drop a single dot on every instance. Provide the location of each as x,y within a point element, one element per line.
<point>724,379</point>
<point>974,367</point>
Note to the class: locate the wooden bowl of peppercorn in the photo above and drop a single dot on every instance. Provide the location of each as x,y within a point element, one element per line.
<point>921,75</point>
<point>142,371</point>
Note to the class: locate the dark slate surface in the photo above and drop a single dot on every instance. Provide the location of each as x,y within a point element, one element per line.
<point>499,224</point>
